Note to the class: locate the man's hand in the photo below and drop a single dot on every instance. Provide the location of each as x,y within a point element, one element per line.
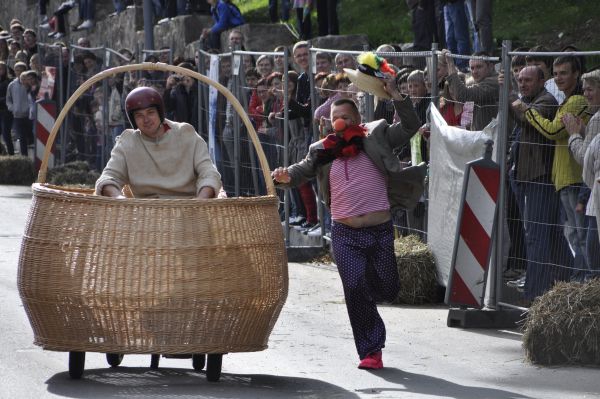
<point>206,192</point>
<point>519,105</point>
<point>450,62</point>
<point>280,175</point>
<point>573,124</point>
<point>112,191</point>
<point>391,87</point>
<point>425,131</point>
<point>580,208</point>
<point>325,126</point>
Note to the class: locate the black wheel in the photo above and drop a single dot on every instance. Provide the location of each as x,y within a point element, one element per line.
<point>114,359</point>
<point>76,364</point>
<point>213,367</point>
<point>198,361</point>
<point>154,360</point>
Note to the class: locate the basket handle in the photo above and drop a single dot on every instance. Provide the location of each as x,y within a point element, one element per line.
<point>160,67</point>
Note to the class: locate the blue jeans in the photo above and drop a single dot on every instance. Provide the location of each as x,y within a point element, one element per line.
<point>119,5</point>
<point>24,129</point>
<point>87,9</point>
<point>457,31</point>
<point>285,10</point>
<point>575,229</point>
<point>592,248</point>
<point>548,256</point>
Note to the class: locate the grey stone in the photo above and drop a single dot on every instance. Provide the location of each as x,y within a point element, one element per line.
<point>342,42</point>
<point>261,37</point>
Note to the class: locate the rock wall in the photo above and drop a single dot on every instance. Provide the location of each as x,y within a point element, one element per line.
<point>181,34</point>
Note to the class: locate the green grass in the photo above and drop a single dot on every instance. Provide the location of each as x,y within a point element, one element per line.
<point>553,23</point>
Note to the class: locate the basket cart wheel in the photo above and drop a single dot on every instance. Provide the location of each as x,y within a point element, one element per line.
<point>198,361</point>
<point>76,364</point>
<point>154,361</point>
<point>213,366</point>
<point>114,359</point>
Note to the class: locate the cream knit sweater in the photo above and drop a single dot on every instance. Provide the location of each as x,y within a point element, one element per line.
<point>175,166</point>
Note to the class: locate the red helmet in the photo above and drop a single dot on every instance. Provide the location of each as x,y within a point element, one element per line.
<point>144,97</point>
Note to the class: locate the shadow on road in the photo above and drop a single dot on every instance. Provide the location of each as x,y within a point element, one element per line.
<point>427,385</point>
<point>136,382</point>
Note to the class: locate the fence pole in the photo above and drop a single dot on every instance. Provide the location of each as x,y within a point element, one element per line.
<point>434,80</point>
<point>286,140</point>
<point>236,88</point>
<point>502,136</point>
<point>148,25</point>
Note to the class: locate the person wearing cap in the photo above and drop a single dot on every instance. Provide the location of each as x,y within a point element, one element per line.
<point>362,183</point>
<point>17,102</point>
<point>158,158</point>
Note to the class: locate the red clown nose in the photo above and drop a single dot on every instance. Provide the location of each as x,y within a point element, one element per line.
<point>339,125</point>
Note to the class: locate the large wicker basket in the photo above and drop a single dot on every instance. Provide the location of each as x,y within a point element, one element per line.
<point>164,276</point>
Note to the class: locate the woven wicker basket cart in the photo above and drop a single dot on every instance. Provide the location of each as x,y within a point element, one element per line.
<point>152,276</point>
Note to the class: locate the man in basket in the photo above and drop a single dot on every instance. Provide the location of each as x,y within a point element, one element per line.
<point>158,158</point>
<point>362,183</point>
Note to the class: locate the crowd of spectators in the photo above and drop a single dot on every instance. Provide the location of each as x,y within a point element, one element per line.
<point>551,212</point>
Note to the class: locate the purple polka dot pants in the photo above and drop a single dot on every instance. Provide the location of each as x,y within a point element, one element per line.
<point>367,266</point>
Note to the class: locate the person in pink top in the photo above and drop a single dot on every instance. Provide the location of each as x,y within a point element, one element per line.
<point>362,182</point>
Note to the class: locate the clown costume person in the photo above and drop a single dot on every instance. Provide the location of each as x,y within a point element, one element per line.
<point>362,183</point>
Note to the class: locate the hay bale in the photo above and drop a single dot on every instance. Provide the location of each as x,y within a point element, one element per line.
<point>416,266</point>
<point>73,173</point>
<point>563,325</point>
<point>16,169</point>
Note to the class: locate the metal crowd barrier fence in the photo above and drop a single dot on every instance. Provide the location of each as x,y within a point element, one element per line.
<point>514,232</point>
<point>548,231</point>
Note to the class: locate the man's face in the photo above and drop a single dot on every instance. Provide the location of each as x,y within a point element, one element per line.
<point>530,82</point>
<point>236,40</point>
<point>516,70</point>
<point>163,57</point>
<point>301,57</point>
<point>188,82</point>
<point>19,71</point>
<point>480,69</point>
<point>417,90</point>
<point>148,121</point>
<point>323,65</point>
<point>346,113</point>
<point>16,34</point>
<point>276,87</point>
<point>29,40</point>
<point>84,42</point>
<point>225,69</point>
<point>251,81</point>
<point>263,93</point>
<point>90,64</point>
<point>344,61</point>
<point>565,78</point>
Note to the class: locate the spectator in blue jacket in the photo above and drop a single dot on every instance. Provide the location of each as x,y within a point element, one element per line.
<point>226,16</point>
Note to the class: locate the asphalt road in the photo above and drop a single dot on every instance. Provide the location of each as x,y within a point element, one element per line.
<point>311,353</point>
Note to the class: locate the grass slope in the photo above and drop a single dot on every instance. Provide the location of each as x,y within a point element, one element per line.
<point>553,23</point>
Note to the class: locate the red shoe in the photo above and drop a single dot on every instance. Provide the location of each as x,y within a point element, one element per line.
<point>372,361</point>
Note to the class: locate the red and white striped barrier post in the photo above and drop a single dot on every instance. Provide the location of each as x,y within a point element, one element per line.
<point>475,230</point>
<point>46,115</point>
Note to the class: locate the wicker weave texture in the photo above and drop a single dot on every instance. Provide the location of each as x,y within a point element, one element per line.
<point>98,274</point>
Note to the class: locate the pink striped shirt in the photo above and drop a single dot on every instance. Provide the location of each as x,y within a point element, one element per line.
<point>357,187</point>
